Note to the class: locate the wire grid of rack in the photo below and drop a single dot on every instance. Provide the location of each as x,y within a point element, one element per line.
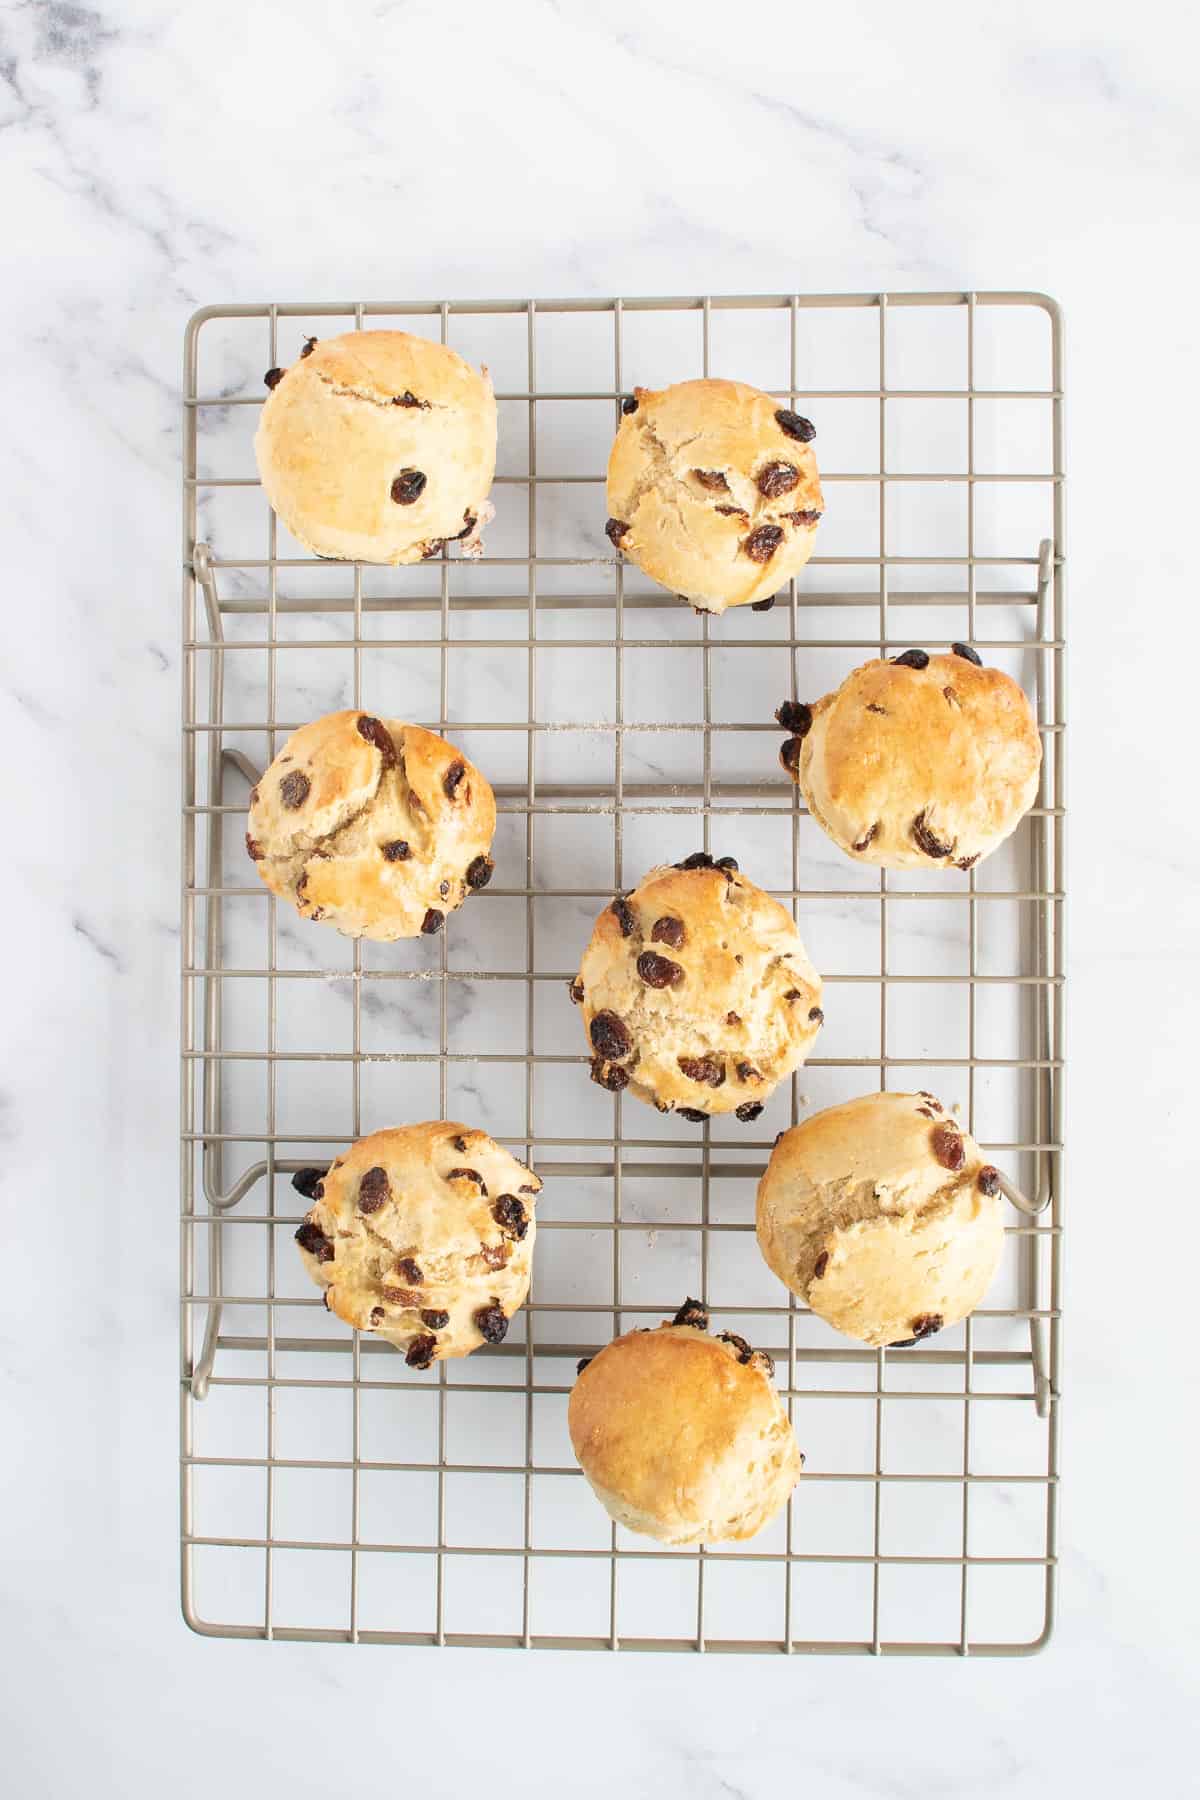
<point>330,1493</point>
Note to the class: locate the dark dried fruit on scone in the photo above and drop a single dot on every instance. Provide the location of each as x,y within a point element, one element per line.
<point>946,1143</point>
<point>925,1325</point>
<point>490,1320</point>
<point>808,516</point>
<point>692,1113</point>
<point>748,1111</point>
<point>373,1190</point>
<point>926,838</point>
<point>452,777</point>
<point>310,1237</point>
<point>432,923</point>
<point>614,530</point>
<point>511,1216</point>
<point>433,548</point>
<point>408,398</point>
<point>310,1183</point>
<point>409,1270</point>
<point>434,1318</point>
<point>408,486</point>
<point>816,1015</point>
<point>692,1312</point>
<point>820,1266</point>
<point>796,426</point>
<point>273,377</point>
<point>734,512</point>
<point>668,930</point>
<point>747,1072</point>
<point>378,1315</point>
<point>729,864</point>
<point>967,862</point>
<point>966,651</point>
<point>469,1175</point>
<point>704,1069</point>
<point>376,732</point>
<point>610,1036</point>
<point>419,1354</point>
<point>763,605</point>
<point>658,971</point>
<point>629,404</point>
<point>712,479</point>
<point>988,1180</point>
<point>307,347</point>
<point>582,1364</point>
<point>775,479</point>
<point>623,913</point>
<point>868,837</point>
<point>744,1351</point>
<point>479,872</point>
<point>253,848</point>
<point>575,989</point>
<point>790,752</point>
<point>396,851</point>
<point>294,789</point>
<point>762,543</point>
<point>610,1076</point>
<point>795,717</point>
<point>912,659</point>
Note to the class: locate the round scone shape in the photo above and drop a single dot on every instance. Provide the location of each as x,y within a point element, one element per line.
<point>713,491</point>
<point>696,992</point>
<point>379,447</point>
<point>683,1437</point>
<point>374,826</point>
<point>422,1235</point>
<point>917,762</point>
<point>883,1216</point>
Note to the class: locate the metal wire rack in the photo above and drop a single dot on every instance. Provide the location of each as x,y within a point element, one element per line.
<point>328,1492</point>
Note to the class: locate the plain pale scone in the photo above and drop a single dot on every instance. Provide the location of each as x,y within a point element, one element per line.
<point>379,447</point>
<point>423,1236</point>
<point>683,1437</point>
<point>921,760</point>
<point>883,1216</point>
<point>713,491</point>
<point>697,993</point>
<point>372,825</point>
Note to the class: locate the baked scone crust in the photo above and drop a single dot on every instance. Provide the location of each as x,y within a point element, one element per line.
<point>883,1216</point>
<point>698,537</point>
<point>682,1437</point>
<point>434,1253</point>
<point>742,1007</point>
<point>909,767</point>
<point>349,417</point>
<point>374,826</point>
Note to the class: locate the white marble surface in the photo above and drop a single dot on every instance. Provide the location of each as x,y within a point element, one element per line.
<point>160,157</point>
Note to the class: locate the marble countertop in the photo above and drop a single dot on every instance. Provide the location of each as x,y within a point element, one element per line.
<point>161,157</point>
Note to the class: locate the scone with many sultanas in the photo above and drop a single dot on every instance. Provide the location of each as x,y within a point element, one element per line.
<point>713,490</point>
<point>377,827</point>
<point>681,1436</point>
<point>379,447</point>
<point>923,760</point>
<point>423,1236</point>
<point>697,993</point>
<point>883,1215</point>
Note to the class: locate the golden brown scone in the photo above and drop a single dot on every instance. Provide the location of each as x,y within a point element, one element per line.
<point>377,827</point>
<point>920,761</point>
<point>423,1236</point>
<point>696,991</point>
<point>681,1436</point>
<point>713,491</point>
<point>379,447</point>
<point>883,1216</point>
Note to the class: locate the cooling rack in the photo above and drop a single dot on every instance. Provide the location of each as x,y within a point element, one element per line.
<point>328,1492</point>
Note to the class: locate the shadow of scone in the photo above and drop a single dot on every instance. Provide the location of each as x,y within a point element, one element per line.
<point>683,1437</point>
<point>923,760</point>
<point>422,1235</point>
<point>371,825</point>
<point>713,491</point>
<point>696,991</point>
<point>882,1215</point>
<point>378,447</point>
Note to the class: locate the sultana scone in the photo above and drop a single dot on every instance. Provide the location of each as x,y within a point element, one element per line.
<point>371,825</point>
<point>697,993</point>
<point>422,1235</point>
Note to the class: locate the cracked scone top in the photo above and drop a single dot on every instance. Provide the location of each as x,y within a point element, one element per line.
<point>923,760</point>
<point>424,1236</point>
<point>883,1216</point>
<point>374,826</point>
<point>379,447</point>
<point>713,491</point>
<point>681,1436</point>
<point>696,991</point>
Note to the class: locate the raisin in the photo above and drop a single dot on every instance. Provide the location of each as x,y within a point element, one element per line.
<point>419,1354</point>
<point>433,548</point>
<point>668,930</point>
<point>699,859</point>
<point>796,426</point>
<point>408,486</point>
<point>732,1018</point>
<point>610,1036</point>
<point>712,479</point>
<point>583,1362</point>
<point>924,1325</point>
<point>273,377</point>
<point>946,1143</point>
<point>479,873</point>
<point>734,512</point>
<point>816,1015</point>
<point>309,1182</point>
<point>763,605</point>
<point>373,1190</point>
<point>436,1320</point>
<point>623,913</point>
<point>614,530</point>
<point>307,347</point>
<point>912,659</point>
<point>410,1270</point>
<point>609,1075</point>
<point>469,523</point>
<point>967,862</point>
<point>294,789</point>
<point>459,1144</point>
<point>902,1344</point>
<point>790,752</point>
<point>728,863</point>
<point>629,404</point>
<point>443,888</point>
<point>658,971</point>
<point>744,1352</point>
<point>965,650</point>
<point>310,1237</point>
<point>377,733</point>
<point>881,710</point>
<point>377,1315</point>
<point>692,1312</point>
<point>763,542</point>
<point>775,479</point>
<point>400,1296</point>
<point>926,840</point>
<point>748,1111</point>
<point>494,1256</point>
<point>868,838</point>
<point>408,398</point>
<point>820,1266</point>
<point>510,1215</point>
<point>253,848</point>
<point>469,1175</point>
<point>490,1320</point>
<point>795,717</point>
<point>575,989</point>
<point>988,1180</point>
<point>452,778</point>
<point>704,1069</point>
<point>432,923</point>
<point>396,851</point>
<point>747,1072</point>
<point>793,994</point>
<point>693,1114</point>
<point>807,516</point>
